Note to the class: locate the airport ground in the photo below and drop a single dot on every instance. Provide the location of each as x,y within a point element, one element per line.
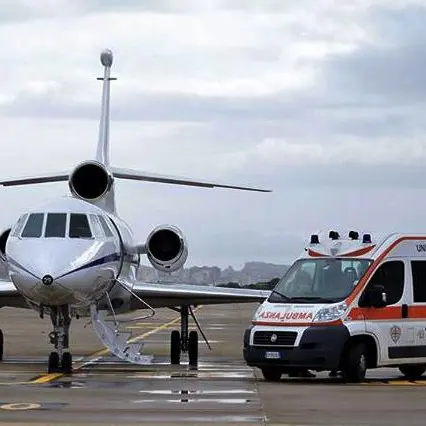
<point>223,390</point>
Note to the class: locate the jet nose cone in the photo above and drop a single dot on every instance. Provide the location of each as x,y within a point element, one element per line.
<point>47,279</point>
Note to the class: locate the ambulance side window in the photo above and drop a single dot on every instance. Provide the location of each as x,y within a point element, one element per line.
<point>418,268</point>
<point>390,275</point>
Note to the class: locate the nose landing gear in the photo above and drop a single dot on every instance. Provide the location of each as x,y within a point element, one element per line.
<point>61,360</point>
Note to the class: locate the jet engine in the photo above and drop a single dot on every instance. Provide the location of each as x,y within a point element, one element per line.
<point>166,248</point>
<point>3,240</point>
<point>90,181</point>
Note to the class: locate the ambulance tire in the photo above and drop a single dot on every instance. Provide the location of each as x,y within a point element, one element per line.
<point>414,371</point>
<point>271,374</point>
<point>355,364</point>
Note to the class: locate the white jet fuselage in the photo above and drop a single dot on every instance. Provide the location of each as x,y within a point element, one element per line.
<point>76,268</point>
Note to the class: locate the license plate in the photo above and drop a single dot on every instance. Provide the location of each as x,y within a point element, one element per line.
<point>272,355</point>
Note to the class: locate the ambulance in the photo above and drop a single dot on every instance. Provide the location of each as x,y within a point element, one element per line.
<point>346,305</point>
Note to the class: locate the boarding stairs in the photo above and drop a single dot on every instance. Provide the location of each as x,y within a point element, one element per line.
<point>117,341</point>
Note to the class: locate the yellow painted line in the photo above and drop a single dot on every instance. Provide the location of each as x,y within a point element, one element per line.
<point>139,327</point>
<point>46,378</point>
<point>394,382</point>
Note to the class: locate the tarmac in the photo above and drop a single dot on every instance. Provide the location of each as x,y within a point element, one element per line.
<point>223,390</point>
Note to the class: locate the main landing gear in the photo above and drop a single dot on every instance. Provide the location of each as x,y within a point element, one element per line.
<point>1,345</point>
<point>61,360</point>
<point>185,341</point>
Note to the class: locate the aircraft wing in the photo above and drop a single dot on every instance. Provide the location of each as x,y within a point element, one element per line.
<point>10,296</point>
<point>173,295</point>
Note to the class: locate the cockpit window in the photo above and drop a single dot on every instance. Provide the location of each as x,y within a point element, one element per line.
<point>34,226</point>
<point>56,225</point>
<point>79,226</point>
<point>105,226</point>
<point>96,227</point>
<point>19,225</point>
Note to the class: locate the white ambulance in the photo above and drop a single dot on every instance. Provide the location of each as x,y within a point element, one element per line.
<point>347,304</point>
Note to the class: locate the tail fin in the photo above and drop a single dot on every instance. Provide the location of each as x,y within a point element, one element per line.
<point>102,152</point>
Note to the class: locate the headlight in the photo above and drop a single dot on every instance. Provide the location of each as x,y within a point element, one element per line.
<point>331,313</point>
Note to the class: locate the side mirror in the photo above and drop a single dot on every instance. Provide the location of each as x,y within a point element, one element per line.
<point>375,297</point>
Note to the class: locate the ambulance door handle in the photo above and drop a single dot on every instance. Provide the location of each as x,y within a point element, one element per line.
<point>404,311</point>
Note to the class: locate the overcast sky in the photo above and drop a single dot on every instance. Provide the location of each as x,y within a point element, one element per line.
<point>321,101</point>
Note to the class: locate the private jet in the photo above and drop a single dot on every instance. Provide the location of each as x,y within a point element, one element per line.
<point>74,257</point>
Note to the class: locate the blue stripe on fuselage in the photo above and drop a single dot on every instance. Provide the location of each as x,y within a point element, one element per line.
<point>100,261</point>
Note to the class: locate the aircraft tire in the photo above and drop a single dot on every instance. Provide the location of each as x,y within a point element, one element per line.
<point>1,345</point>
<point>67,363</point>
<point>175,347</point>
<point>193,348</point>
<point>53,363</point>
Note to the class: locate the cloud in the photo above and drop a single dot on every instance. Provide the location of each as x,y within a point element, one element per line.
<point>321,101</point>
<point>389,67</point>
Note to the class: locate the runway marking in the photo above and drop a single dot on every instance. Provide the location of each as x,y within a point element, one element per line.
<point>394,382</point>
<point>20,406</point>
<point>46,378</point>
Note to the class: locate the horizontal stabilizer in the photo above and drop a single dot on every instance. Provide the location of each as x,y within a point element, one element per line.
<point>153,177</point>
<point>131,175</point>
<point>54,177</point>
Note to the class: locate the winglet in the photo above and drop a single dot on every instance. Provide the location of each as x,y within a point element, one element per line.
<point>102,153</point>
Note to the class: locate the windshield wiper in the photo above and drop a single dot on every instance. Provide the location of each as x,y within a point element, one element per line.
<point>311,299</point>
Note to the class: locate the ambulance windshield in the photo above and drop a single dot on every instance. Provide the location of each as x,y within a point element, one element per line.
<point>319,280</point>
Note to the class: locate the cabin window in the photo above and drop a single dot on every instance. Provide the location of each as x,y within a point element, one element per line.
<point>96,227</point>
<point>33,227</point>
<point>105,226</point>
<point>79,226</point>
<point>390,275</point>
<point>418,268</point>
<point>56,225</point>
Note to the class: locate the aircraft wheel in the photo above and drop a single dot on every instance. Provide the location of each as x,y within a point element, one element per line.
<point>1,345</point>
<point>53,364</point>
<point>175,347</point>
<point>193,348</point>
<point>67,363</point>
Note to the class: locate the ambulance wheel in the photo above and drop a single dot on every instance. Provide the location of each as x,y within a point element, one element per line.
<point>414,371</point>
<point>355,366</point>
<point>271,374</point>
<point>1,345</point>
<point>175,347</point>
<point>193,348</point>
<point>53,363</point>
